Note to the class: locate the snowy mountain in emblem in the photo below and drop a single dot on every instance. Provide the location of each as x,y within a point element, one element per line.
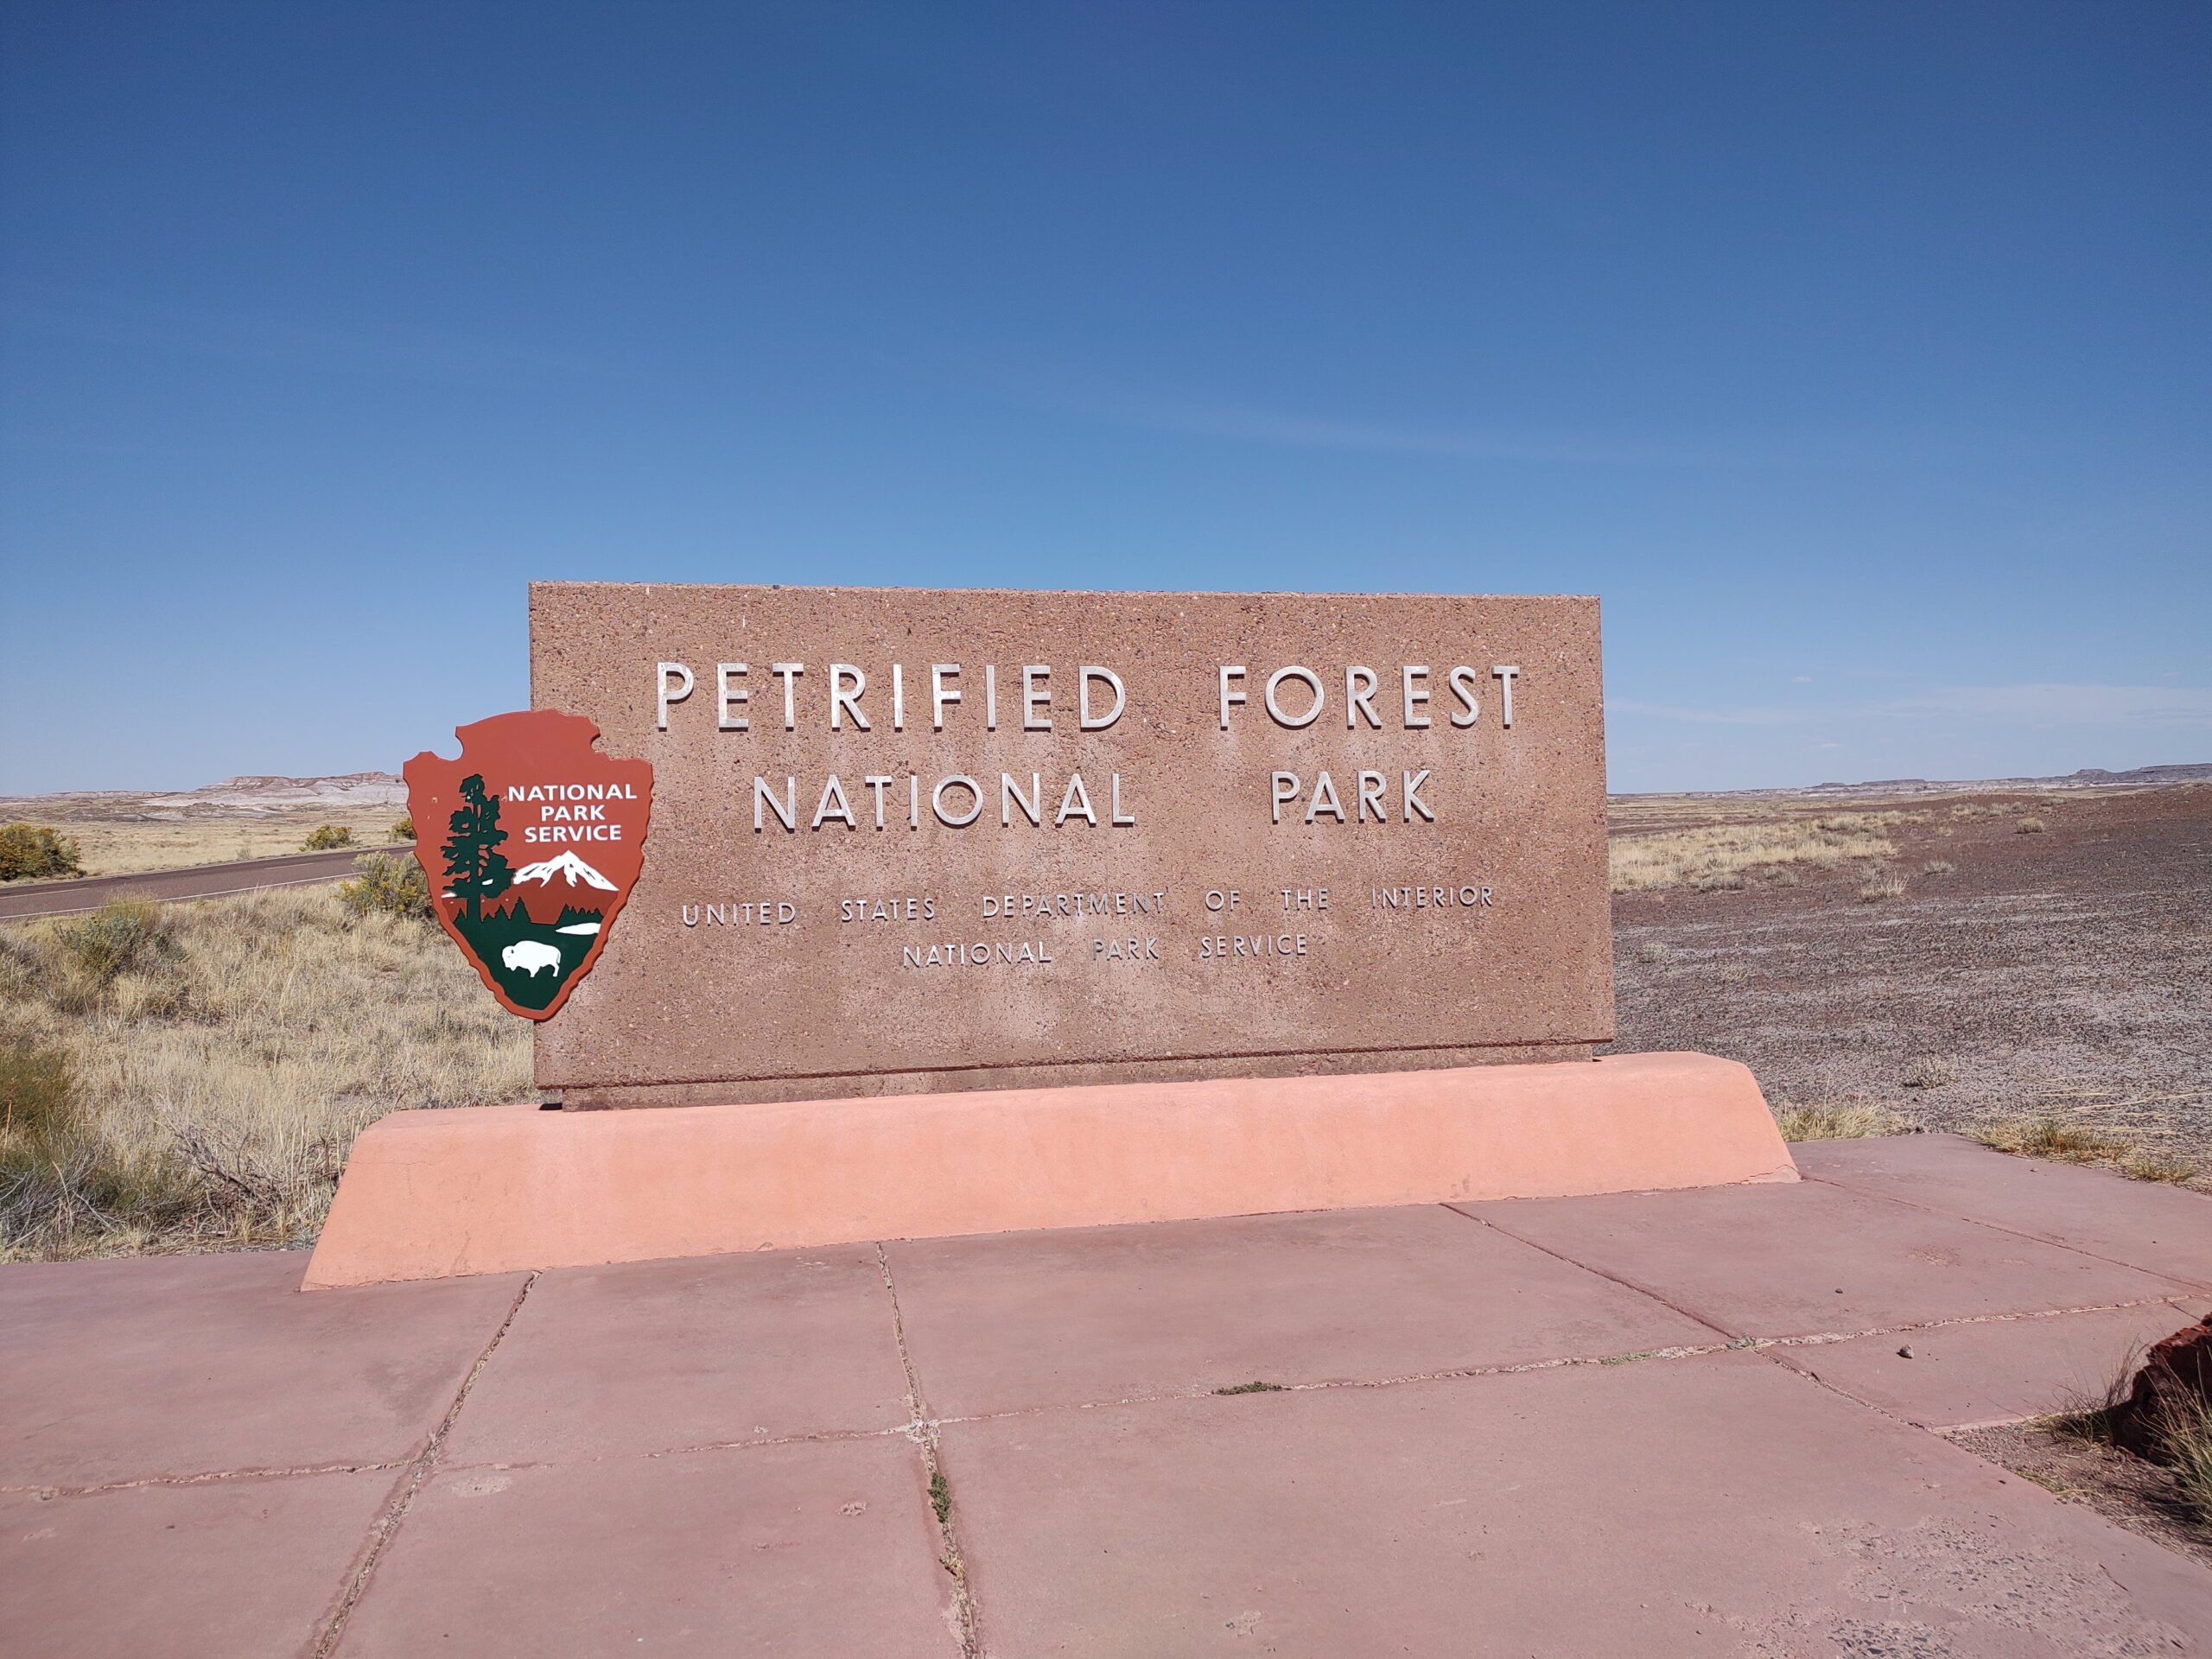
<point>570,868</point>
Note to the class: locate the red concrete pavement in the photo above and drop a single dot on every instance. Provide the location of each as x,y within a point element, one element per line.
<point>1712,1504</point>
<point>2096,1211</point>
<point>1557,1426</point>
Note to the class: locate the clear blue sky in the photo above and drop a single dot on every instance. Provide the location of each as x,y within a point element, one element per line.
<point>1856,354</point>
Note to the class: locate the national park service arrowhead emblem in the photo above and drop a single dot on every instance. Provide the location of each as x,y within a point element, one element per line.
<point>531,841</point>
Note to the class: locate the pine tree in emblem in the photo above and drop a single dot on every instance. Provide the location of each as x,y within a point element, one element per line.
<point>475,869</point>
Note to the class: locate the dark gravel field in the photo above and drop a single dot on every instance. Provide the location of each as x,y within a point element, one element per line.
<point>2064,974</point>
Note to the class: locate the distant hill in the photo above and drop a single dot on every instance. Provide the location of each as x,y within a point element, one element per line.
<point>377,789</point>
<point>2184,774</point>
<point>2087,778</point>
<point>361,790</point>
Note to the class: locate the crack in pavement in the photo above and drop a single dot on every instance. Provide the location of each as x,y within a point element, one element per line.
<point>921,1428</point>
<point>207,1477</point>
<point>388,1525</point>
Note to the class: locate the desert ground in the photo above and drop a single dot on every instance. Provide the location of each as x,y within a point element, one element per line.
<point>190,1077</point>
<point>2026,964</point>
<point>121,832</point>
<point>2031,962</point>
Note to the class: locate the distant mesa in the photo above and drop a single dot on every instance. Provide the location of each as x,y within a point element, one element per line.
<point>2087,778</point>
<point>570,868</point>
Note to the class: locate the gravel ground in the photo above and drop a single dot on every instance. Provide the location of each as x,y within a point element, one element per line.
<point>2065,974</point>
<point>2127,1490</point>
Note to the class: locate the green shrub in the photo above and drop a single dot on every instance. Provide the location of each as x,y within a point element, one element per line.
<point>122,933</point>
<point>391,882</point>
<point>59,1178</point>
<point>43,1155</point>
<point>35,1091</point>
<point>28,850</point>
<point>402,828</point>
<point>326,836</point>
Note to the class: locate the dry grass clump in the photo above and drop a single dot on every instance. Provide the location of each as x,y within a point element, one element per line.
<point>1880,884</point>
<point>1847,1121</point>
<point>1937,866</point>
<point>2180,1438</point>
<point>2083,1143</point>
<point>2185,1437</point>
<point>2142,1164</point>
<point>191,1077</point>
<point>2050,1137</point>
<point>1718,857</point>
<point>2030,827</point>
<point>58,1180</point>
<point>1930,1072</point>
<point>2093,1415</point>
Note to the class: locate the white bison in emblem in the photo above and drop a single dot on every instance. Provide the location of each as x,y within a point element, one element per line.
<point>528,956</point>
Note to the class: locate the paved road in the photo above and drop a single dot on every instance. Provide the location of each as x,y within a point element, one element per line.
<point>197,881</point>
<point>1569,1427</point>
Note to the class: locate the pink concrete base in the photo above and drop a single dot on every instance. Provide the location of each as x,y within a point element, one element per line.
<point>431,1194</point>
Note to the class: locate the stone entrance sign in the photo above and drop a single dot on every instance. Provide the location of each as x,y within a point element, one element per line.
<point>1075,885</point>
<point>907,840</point>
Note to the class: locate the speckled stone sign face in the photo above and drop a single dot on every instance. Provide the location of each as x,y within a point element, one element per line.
<point>908,840</point>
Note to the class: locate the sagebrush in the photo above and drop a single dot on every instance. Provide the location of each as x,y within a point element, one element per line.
<point>27,851</point>
<point>391,883</point>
